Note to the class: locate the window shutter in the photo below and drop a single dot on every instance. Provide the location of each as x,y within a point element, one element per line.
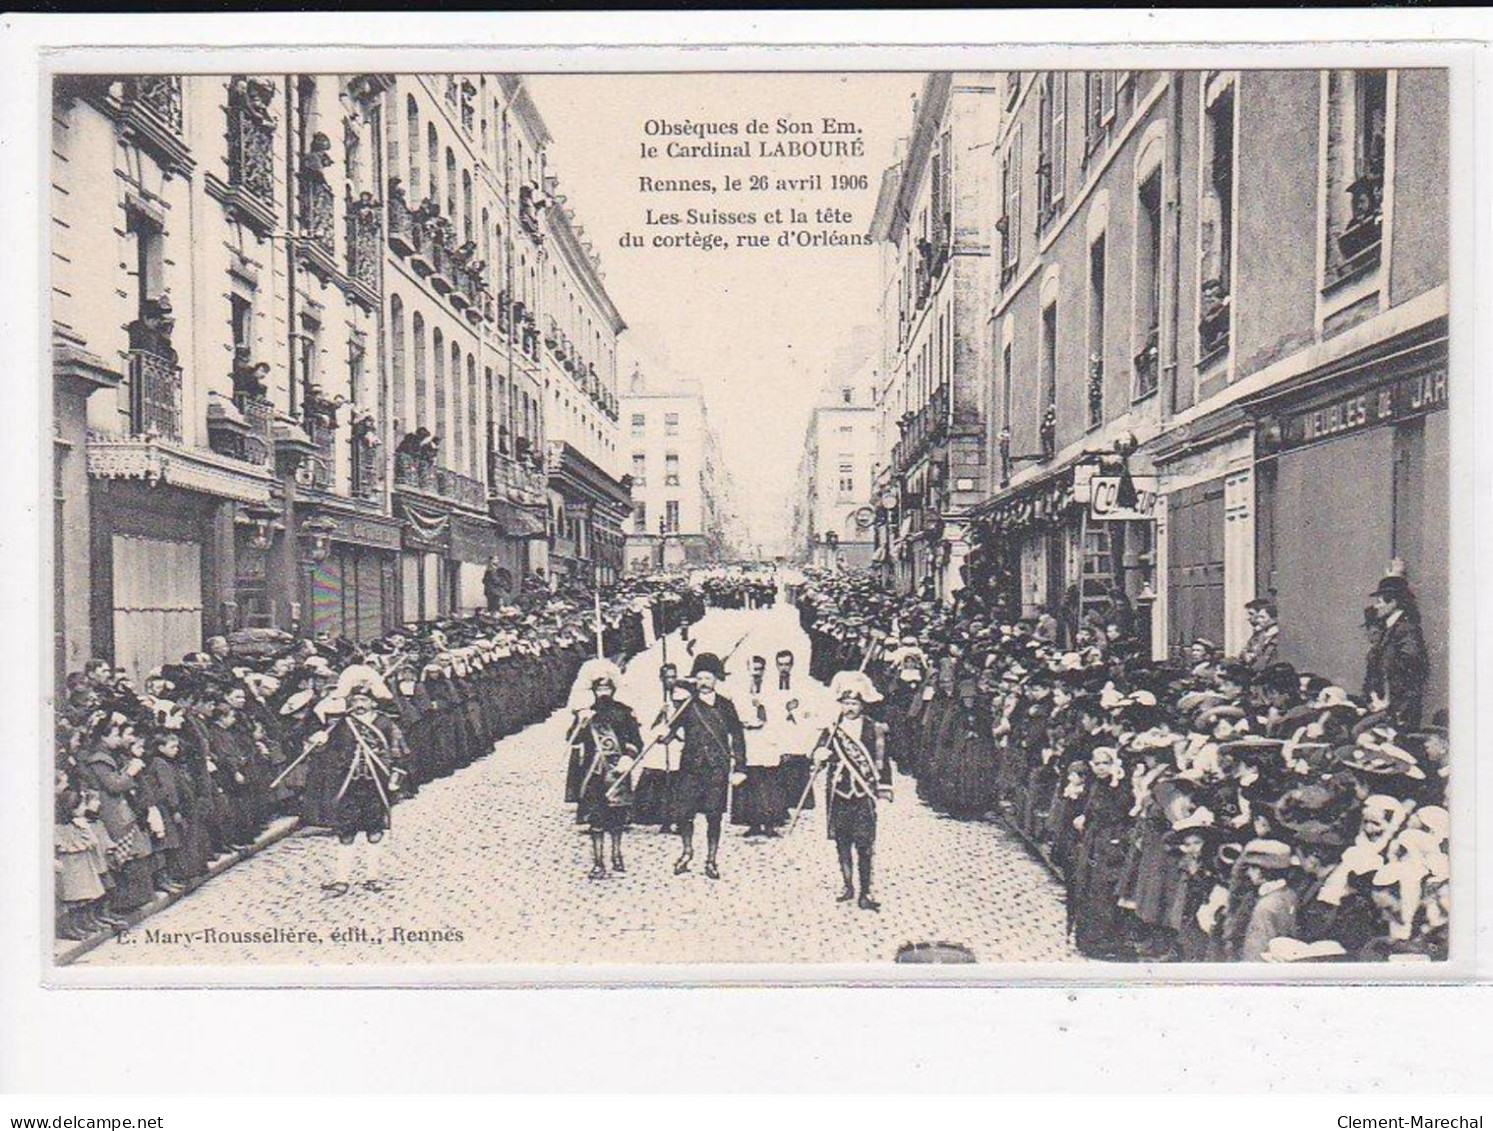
<point>1059,151</point>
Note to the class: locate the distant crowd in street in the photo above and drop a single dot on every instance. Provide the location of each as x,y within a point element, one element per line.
<point>1206,808</point>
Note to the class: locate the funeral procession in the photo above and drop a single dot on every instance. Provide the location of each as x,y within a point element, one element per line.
<point>1011,526</point>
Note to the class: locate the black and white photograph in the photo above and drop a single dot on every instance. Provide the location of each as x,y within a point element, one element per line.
<point>870,519</point>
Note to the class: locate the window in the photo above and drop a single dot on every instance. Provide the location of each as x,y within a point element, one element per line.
<point>671,470</point>
<point>451,213</point>
<point>241,317</point>
<point>1047,429</point>
<point>671,517</point>
<point>1099,108</point>
<point>847,430</point>
<point>1357,122</point>
<point>433,153</point>
<point>438,353</point>
<point>847,478</point>
<point>639,469</point>
<point>1052,152</point>
<point>847,395</point>
<point>640,516</point>
<point>412,135</point>
<point>1216,220</point>
<point>1096,332</point>
<point>671,424</point>
<point>458,427</point>
<point>474,451</point>
<point>1009,224</point>
<point>1148,284</point>
<point>397,349</point>
<point>417,334</point>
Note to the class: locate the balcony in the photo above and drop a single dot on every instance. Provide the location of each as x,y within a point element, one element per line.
<point>242,428</point>
<point>921,429</point>
<point>155,394</point>
<point>363,240</point>
<point>150,113</point>
<point>517,481</point>
<point>367,459</point>
<point>317,207</point>
<point>412,473</point>
<point>250,192</point>
<point>403,239</point>
<point>530,203</point>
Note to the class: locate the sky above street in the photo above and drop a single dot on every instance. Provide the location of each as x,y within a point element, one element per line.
<point>762,330</point>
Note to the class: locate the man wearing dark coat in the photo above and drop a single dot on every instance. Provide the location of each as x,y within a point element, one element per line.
<point>358,770</point>
<point>711,758</point>
<point>609,740</point>
<point>853,751</point>
<point>1404,666</point>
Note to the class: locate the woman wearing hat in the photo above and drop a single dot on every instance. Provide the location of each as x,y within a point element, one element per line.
<point>1403,664</point>
<point>711,755</point>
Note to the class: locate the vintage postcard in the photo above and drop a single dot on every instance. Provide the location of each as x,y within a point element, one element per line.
<point>990,517</point>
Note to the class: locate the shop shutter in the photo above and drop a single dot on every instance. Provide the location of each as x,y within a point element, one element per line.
<point>1195,522</point>
<point>157,602</point>
<point>370,590</point>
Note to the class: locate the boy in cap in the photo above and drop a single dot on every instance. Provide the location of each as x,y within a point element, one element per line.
<point>854,750</point>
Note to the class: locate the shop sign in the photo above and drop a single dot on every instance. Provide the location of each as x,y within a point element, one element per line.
<point>1104,491</point>
<point>1392,401</point>
<point>365,532</point>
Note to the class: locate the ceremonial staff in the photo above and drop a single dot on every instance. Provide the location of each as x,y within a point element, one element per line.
<point>813,773</point>
<point>674,718</point>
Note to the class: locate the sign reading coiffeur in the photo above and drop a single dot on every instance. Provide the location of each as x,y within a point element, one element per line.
<point>1104,492</point>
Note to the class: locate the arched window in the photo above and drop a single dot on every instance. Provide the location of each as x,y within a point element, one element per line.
<point>466,206</point>
<point>451,187</point>
<point>412,136</point>
<point>487,244</point>
<point>433,155</point>
<point>473,448</point>
<point>396,358</point>
<point>417,334</point>
<point>438,354</point>
<point>458,424</point>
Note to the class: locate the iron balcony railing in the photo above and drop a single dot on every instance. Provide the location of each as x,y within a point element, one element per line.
<point>155,395</point>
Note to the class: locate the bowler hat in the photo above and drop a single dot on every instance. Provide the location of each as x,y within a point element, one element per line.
<point>1394,587</point>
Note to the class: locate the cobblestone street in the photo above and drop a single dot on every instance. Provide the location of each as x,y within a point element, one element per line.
<point>493,855</point>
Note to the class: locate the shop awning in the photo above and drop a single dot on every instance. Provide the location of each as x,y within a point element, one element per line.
<point>1040,502</point>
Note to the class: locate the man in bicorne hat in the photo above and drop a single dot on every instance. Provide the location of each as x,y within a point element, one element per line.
<point>358,768</point>
<point>853,751</point>
<point>711,759</point>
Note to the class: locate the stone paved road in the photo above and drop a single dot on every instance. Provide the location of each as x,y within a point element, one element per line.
<point>492,853</point>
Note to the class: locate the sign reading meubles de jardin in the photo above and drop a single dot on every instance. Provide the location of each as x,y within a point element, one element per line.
<point>1386,403</point>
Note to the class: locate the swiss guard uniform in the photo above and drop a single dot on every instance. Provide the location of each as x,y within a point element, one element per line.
<point>358,773</point>
<point>854,750</point>
<point>712,752</point>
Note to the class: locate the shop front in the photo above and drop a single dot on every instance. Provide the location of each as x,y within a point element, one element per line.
<point>475,545</point>
<point>1205,533</point>
<point>425,582</point>
<point>349,573</point>
<point>1353,475</point>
